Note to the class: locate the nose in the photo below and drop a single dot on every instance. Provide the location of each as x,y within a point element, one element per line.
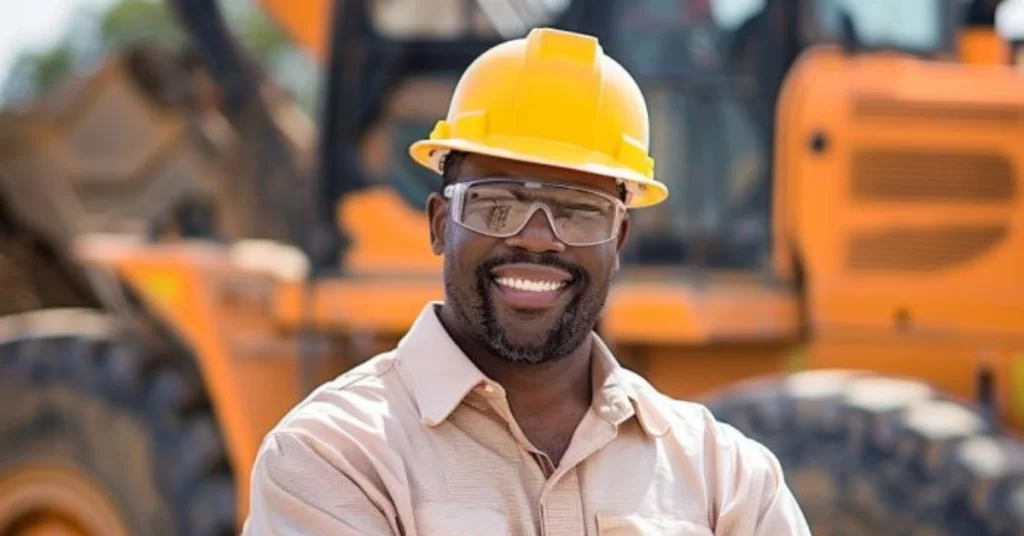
<point>537,235</point>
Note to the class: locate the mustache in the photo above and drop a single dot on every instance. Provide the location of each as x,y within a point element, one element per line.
<point>577,272</point>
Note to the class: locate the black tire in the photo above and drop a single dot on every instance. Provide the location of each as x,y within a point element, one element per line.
<point>73,392</point>
<point>870,455</point>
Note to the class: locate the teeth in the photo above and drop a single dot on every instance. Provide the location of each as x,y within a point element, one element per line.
<point>532,286</point>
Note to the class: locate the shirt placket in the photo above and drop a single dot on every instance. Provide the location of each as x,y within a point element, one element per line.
<point>561,500</point>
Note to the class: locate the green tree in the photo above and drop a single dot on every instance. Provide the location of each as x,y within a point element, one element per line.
<point>95,34</point>
<point>129,21</point>
<point>34,71</point>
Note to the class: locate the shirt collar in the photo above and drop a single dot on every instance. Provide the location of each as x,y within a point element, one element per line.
<point>437,371</point>
<point>440,377</point>
<point>621,394</point>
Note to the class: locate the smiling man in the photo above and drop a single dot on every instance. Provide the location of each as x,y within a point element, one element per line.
<point>501,411</point>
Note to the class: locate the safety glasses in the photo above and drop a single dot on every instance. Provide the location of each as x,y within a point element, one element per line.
<point>501,207</point>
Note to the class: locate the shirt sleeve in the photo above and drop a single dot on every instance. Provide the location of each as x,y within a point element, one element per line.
<point>295,491</point>
<point>779,512</point>
<point>755,498</point>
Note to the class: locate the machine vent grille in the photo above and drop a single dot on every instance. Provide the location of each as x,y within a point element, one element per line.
<point>921,249</point>
<point>887,109</point>
<point>883,175</point>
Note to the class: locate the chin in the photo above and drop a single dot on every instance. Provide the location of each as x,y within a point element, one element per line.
<point>541,340</point>
<point>521,355</point>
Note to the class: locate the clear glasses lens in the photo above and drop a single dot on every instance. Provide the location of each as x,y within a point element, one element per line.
<point>501,208</point>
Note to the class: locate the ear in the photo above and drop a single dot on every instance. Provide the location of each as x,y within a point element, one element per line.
<point>437,215</point>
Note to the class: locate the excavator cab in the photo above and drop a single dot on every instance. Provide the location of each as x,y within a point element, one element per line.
<point>712,71</point>
<point>392,69</point>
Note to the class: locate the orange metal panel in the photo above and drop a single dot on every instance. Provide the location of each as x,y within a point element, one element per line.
<point>387,234</point>
<point>689,373</point>
<point>374,303</point>
<point>673,307</point>
<point>307,21</point>
<point>944,253</point>
<point>983,46</point>
<point>898,189</point>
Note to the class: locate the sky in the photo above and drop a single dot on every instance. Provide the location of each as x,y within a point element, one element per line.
<point>35,24</point>
<point>1010,18</point>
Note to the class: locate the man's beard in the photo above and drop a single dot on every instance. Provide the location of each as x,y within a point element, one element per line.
<point>569,331</point>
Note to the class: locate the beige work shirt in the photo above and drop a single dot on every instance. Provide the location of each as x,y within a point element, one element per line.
<point>417,441</point>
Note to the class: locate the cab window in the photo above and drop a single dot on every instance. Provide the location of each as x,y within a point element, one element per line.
<point>711,148</point>
<point>451,19</point>
<point>920,26</point>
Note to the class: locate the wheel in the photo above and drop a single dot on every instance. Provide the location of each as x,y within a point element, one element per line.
<point>97,438</point>
<point>868,455</point>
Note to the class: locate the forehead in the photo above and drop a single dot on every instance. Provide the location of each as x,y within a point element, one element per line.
<point>477,166</point>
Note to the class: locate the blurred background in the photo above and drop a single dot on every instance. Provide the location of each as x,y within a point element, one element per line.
<point>207,209</point>
<point>48,41</point>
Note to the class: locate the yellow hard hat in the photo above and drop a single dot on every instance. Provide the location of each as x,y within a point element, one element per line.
<point>551,98</point>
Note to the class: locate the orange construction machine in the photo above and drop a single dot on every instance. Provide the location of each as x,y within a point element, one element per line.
<point>184,255</point>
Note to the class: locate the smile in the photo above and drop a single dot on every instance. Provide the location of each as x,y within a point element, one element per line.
<point>530,285</point>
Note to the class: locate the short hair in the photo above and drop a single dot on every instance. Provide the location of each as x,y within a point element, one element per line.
<point>451,165</point>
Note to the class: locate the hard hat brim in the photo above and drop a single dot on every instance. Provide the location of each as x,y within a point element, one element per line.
<point>649,192</point>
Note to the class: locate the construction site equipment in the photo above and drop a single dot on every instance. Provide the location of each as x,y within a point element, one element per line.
<point>191,255</point>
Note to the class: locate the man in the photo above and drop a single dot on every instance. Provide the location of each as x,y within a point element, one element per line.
<point>501,411</point>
